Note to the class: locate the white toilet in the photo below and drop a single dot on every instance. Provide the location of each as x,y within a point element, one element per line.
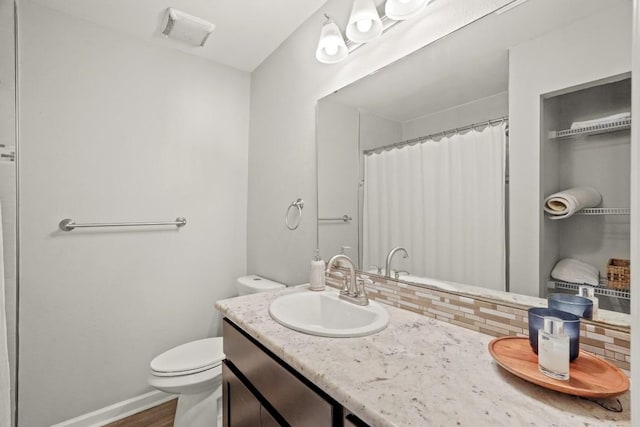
<point>254,284</point>
<point>193,370</point>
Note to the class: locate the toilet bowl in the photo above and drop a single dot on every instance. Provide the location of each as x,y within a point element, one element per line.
<point>193,370</point>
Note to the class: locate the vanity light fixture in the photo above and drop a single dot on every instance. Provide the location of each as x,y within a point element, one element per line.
<point>364,23</point>
<point>331,47</point>
<point>399,10</point>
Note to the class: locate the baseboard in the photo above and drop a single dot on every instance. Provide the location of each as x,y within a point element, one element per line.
<point>118,410</point>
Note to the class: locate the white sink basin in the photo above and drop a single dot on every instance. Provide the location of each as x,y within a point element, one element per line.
<point>325,314</point>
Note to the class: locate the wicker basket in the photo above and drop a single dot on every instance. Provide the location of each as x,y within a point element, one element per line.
<point>619,274</point>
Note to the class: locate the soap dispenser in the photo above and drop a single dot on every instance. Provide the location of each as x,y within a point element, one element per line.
<point>317,273</point>
<point>553,349</point>
<point>590,293</point>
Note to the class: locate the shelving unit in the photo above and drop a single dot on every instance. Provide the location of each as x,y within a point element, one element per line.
<point>601,290</point>
<point>616,126</point>
<point>595,156</point>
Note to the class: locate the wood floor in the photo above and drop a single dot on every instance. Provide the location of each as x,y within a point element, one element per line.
<point>158,416</point>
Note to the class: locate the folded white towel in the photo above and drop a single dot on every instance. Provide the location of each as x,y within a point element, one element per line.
<point>601,120</point>
<point>575,271</point>
<point>567,202</point>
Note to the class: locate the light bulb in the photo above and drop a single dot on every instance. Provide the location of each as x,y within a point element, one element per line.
<point>331,49</point>
<point>364,25</point>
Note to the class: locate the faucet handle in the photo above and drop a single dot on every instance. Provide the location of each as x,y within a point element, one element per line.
<point>377,267</point>
<point>397,273</point>
<point>343,279</point>
<point>361,292</point>
<point>365,279</point>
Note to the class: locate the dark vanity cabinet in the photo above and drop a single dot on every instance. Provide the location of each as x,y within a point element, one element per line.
<point>259,389</point>
<point>242,407</point>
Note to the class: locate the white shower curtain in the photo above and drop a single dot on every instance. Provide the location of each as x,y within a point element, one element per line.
<point>5,393</point>
<point>444,202</point>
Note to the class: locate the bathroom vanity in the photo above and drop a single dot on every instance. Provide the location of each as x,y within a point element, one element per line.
<point>418,371</point>
<point>257,385</point>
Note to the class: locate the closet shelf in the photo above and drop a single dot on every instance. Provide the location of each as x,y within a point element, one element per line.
<point>604,211</point>
<point>591,130</point>
<point>600,290</point>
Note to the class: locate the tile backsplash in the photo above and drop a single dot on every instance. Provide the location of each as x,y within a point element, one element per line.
<point>489,317</point>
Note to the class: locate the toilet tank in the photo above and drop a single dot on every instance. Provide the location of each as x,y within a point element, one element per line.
<point>253,284</point>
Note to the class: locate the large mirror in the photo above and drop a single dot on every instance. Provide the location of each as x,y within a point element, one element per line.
<point>448,156</point>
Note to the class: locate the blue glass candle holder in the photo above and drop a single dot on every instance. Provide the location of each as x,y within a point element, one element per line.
<point>571,328</point>
<point>574,304</point>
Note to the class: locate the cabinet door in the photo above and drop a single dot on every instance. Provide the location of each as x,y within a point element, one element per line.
<point>266,420</point>
<point>292,398</point>
<point>240,406</point>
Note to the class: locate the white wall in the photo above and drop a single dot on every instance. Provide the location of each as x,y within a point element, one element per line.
<point>115,129</point>
<point>8,180</point>
<point>558,60</point>
<point>338,130</point>
<point>284,90</point>
<point>343,132</point>
<point>377,131</point>
<point>480,110</point>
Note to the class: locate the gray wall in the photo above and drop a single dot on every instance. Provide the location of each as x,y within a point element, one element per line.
<point>115,129</point>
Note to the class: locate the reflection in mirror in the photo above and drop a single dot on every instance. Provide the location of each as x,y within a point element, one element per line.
<point>451,152</point>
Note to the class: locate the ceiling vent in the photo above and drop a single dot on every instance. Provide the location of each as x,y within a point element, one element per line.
<point>186,28</point>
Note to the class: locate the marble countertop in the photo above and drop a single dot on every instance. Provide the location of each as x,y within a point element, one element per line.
<point>416,372</point>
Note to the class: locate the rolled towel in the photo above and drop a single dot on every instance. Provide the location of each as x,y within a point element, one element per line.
<point>565,203</point>
<point>575,271</point>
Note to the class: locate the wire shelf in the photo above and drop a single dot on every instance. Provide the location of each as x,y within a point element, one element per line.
<point>592,130</point>
<point>600,290</point>
<point>604,211</point>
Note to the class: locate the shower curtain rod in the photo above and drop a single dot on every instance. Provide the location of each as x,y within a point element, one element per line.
<point>442,134</point>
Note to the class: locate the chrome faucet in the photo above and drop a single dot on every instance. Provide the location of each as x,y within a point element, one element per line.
<point>350,290</point>
<point>392,252</point>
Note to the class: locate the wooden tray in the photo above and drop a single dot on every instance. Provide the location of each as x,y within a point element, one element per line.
<point>590,376</point>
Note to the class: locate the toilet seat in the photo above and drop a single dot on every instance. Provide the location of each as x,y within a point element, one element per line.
<point>200,382</point>
<point>190,358</point>
<point>187,372</point>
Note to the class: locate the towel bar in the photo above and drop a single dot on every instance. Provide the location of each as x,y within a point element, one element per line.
<point>343,218</point>
<point>68,224</point>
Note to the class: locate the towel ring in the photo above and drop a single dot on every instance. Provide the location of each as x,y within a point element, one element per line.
<point>298,204</point>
